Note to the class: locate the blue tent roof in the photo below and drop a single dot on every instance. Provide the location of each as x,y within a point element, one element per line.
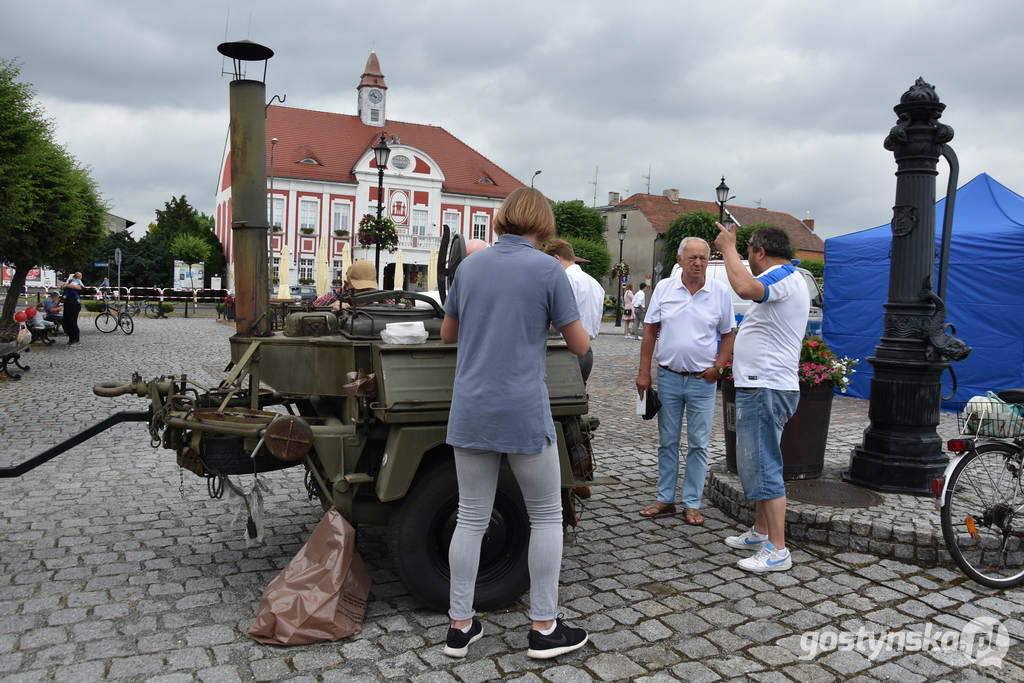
<point>983,292</point>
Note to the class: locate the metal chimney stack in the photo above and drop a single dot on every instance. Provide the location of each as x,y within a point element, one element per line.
<point>249,189</point>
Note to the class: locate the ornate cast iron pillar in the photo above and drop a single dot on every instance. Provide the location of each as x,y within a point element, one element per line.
<point>901,451</point>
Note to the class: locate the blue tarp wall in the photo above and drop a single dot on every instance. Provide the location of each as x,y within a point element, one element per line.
<point>984,290</point>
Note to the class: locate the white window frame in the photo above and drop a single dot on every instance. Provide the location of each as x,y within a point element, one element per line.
<point>305,269</point>
<point>277,202</point>
<point>338,269</point>
<point>418,219</point>
<point>275,267</point>
<point>341,206</point>
<point>304,222</point>
<point>453,219</point>
<point>481,226</point>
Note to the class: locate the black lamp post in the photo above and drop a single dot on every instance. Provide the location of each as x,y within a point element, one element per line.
<point>618,276</point>
<point>381,153</point>
<point>535,174</point>
<point>721,197</point>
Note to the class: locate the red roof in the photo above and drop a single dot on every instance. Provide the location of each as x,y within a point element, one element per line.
<point>372,75</point>
<point>338,141</point>
<point>661,211</point>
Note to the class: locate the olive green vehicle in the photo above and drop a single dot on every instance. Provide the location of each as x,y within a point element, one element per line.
<point>367,420</point>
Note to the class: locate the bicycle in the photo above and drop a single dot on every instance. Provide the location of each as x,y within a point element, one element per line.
<point>982,495</point>
<point>114,317</point>
<point>152,309</point>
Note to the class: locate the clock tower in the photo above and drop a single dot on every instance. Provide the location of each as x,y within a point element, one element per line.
<point>372,93</point>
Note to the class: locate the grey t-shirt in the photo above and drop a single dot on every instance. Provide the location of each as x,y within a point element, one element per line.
<point>505,298</point>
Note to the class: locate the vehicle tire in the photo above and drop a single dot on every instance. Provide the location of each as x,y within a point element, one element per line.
<point>126,323</point>
<point>152,310</point>
<point>421,530</point>
<point>982,532</point>
<point>105,322</point>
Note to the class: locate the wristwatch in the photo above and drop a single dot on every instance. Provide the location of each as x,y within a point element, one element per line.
<point>720,369</point>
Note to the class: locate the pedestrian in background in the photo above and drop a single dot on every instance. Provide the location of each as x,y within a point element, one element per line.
<point>639,310</point>
<point>72,307</point>
<point>627,307</point>
<point>501,303</point>
<point>588,293</point>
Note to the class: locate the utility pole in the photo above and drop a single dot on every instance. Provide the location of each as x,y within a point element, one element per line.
<point>594,183</point>
<point>648,178</point>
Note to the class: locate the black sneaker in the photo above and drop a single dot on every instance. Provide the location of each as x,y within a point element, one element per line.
<point>563,639</point>
<point>456,644</point>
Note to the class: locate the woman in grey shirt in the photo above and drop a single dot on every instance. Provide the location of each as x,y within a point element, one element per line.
<point>500,306</point>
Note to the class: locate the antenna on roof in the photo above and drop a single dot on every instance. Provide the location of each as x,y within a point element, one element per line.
<point>594,183</point>
<point>648,178</point>
<point>227,20</point>
<point>758,202</point>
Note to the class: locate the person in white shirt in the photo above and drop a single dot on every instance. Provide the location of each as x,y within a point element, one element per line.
<point>588,292</point>
<point>691,319</point>
<point>640,309</point>
<point>767,386</point>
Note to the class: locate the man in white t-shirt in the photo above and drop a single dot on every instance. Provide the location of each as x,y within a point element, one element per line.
<point>588,292</point>
<point>767,357</point>
<point>687,316</point>
<point>640,309</point>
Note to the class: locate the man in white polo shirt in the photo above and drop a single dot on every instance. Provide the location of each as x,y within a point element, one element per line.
<point>767,387</point>
<point>687,316</point>
<point>588,292</point>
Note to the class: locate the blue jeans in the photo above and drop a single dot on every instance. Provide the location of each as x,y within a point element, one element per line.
<point>678,392</point>
<point>760,416</point>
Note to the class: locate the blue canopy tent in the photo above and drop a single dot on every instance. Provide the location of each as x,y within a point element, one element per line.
<point>984,290</point>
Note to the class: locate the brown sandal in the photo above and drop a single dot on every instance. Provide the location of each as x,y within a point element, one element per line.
<point>693,516</point>
<point>658,509</point>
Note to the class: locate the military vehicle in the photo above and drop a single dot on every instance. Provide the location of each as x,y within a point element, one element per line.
<point>366,419</point>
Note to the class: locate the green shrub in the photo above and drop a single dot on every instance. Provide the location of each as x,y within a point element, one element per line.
<point>596,252</point>
<point>94,306</point>
<point>168,308</point>
<point>816,266</point>
<point>220,309</point>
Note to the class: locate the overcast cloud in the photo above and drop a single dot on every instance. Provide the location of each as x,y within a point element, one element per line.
<point>790,101</point>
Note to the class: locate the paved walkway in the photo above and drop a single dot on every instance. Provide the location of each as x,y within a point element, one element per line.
<point>108,572</point>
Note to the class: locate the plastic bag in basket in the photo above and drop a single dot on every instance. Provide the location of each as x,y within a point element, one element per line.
<point>989,415</point>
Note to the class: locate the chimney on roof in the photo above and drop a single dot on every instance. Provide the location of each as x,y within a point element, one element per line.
<point>672,194</point>
<point>809,222</point>
<point>613,198</point>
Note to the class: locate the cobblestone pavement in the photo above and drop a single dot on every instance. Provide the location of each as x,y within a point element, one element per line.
<point>107,572</point>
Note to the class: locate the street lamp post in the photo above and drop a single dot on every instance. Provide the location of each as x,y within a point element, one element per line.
<point>535,174</point>
<point>618,276</point>
<point>270,206</point>
<point>722,196</point>
<point>381,153</point>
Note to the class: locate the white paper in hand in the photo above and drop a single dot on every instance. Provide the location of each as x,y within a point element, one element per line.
<point>641,404</point>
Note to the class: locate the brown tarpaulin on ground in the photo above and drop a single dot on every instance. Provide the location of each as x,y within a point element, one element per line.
<point>321,594</point>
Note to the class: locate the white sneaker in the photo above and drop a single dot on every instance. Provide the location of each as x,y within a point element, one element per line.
<point>748,540</point>
<point>767,559</point>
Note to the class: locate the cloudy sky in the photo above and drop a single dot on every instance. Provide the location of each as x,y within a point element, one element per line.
<point>790,101</point>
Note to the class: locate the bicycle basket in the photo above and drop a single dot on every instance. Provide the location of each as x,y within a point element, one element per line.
<point>989,416</point>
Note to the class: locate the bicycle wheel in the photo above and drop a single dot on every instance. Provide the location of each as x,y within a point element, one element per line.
<point>152,310</point>
<point>105,322</point>
<point>982,520</point>
<point>126,323</point>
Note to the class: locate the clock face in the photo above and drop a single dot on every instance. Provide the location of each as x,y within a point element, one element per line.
<point>376,96</point>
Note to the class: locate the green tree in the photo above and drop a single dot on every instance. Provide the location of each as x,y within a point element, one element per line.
<point>595,252</point>
<point>190,248</point>
<point>50,211</point>
<point>178,217</point>
<point>574,219</point>
<point>695,224</point>
<point>584,228</point>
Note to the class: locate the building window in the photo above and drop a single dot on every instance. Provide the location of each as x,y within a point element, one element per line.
<point>375,115</point>
<point>453,219</point>
<point>480,223</point>
<point>307,214</point>
<point>305,269</point>
<point>341,216</point>
<point>276,268</point>
<point>338,270</point>
<point>418,226</point>
<point>278,210</point>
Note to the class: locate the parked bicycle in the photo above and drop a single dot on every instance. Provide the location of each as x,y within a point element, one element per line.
<point>115,316</point>
<point>982,495</point>
<point>152,309</point>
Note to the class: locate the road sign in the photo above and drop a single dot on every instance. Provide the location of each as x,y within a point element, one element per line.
<point>101,264</point>
<point>117,256</point>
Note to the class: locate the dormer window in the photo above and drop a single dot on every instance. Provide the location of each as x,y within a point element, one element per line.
<point>485,181</point>
<point>310,160</point>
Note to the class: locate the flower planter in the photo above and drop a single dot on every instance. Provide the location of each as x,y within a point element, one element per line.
<point>803,438</point>
<point>341,233</point>
<point>307,231</point>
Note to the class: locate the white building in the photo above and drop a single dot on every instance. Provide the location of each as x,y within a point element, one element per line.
<point>324,179</point>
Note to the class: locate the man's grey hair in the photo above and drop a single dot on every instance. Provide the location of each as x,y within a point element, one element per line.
<point>691,238</point>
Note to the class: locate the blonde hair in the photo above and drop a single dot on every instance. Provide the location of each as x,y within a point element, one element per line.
<point>526,212</point>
